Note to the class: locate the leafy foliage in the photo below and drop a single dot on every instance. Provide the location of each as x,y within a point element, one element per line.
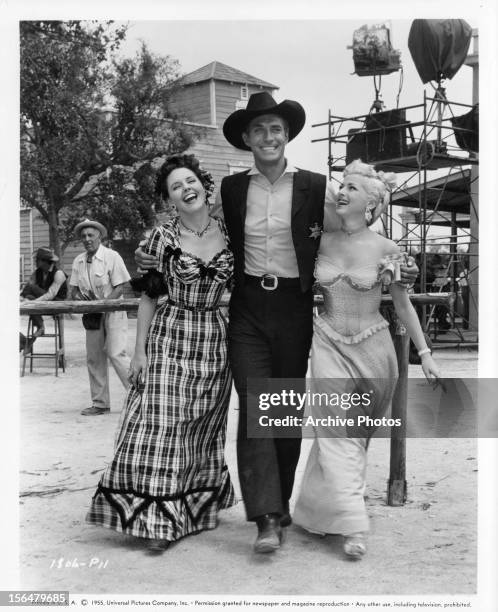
<point>91,124</point>
<point>121,199</point>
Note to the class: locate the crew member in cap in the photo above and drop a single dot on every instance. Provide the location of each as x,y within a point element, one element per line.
<point>46,283</point>
<point>100,273</point>
<point>274,215</point>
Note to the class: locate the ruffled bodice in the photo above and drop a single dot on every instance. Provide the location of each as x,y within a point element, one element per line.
<point>352,298</point>
<point>185,278</point>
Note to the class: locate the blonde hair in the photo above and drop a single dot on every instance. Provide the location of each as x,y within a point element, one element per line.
<point>380,185</point>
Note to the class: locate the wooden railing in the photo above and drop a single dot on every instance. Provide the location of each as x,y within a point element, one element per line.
<point>397,487</point>
<point>131,304</point>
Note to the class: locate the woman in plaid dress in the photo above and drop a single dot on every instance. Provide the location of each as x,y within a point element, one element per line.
<point>168,477</point>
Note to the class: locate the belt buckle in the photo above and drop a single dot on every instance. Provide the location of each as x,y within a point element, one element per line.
<point>269,278</point>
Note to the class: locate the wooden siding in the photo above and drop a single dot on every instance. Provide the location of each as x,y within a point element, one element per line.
<point>33,235</point>
<point>217,155</point>
<point>25,247</point>
<point>194,101</point>
<point>227,94</point>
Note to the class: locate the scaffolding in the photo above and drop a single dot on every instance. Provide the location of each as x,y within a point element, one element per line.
<point>437,167</point>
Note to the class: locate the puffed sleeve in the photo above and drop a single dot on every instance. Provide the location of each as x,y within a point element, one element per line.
<point>152,283</point>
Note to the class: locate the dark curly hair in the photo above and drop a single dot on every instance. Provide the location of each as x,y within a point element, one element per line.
<point>183,161</point>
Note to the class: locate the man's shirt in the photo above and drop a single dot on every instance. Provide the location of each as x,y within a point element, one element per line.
<point>105,271</point>
<point>268,245</point>
<point>268,240</point>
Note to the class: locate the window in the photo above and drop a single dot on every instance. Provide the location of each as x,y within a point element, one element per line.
<point>244,92</point>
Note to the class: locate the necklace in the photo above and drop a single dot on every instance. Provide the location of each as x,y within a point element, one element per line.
<point>355,231</point>
<point>195,232</point>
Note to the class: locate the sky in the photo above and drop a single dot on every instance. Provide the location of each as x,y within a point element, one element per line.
<point>308,59</point>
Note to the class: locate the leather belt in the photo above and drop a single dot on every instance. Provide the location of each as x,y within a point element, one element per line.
<point>270,282</point>
<point>193,308</point>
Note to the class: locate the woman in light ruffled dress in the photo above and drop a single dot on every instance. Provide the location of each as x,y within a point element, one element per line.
<point>352,350</point>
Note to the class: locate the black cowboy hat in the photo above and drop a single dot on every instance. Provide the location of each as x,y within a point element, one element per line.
<point>263,104</point>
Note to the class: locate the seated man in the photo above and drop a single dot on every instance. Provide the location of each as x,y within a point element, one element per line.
<point>46,283</point>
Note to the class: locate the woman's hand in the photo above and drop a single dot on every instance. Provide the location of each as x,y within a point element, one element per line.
<point>136,373</point>
<point>430,368</point>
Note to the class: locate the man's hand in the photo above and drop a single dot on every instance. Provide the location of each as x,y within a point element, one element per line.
<point>145,261</point>
<point>409,271</point>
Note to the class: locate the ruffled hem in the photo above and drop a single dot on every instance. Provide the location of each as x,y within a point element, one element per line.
<point>322,323</point>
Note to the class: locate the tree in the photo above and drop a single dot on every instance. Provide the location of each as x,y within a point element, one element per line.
<point>141,129</point>
<point>145,124</point>
<point>62,76</point>
<point>121,199</point>
<point>89,121</point>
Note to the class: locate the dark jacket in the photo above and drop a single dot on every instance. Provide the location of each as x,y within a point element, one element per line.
<point>308,199</point>
<point>62,293</point>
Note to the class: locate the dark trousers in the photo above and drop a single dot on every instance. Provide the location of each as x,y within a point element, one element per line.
<point>269,336</point>
<point>30,292</point>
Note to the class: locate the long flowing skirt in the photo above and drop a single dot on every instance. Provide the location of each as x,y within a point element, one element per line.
<point>168,477</point>
<point>331,498</point>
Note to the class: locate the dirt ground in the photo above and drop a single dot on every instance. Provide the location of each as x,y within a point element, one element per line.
<point>428,546</point>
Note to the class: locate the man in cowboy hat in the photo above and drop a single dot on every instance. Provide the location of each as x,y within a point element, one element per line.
<point>271,213</point>
<point>274,215</point>
<point>46,283</point>
<point>100,273</point>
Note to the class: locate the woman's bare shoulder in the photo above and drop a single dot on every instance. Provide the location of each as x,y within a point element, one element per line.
<point>387,246</point>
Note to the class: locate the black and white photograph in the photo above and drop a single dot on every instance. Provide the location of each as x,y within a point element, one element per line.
<point>251,358</point>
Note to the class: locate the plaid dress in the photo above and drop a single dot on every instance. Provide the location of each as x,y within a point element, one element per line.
<point>168,477</point>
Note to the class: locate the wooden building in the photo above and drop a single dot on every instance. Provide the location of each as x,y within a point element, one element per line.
<point>207,97</point>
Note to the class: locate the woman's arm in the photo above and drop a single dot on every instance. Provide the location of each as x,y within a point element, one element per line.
<point>146,309</point>
<point>408,316</point>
